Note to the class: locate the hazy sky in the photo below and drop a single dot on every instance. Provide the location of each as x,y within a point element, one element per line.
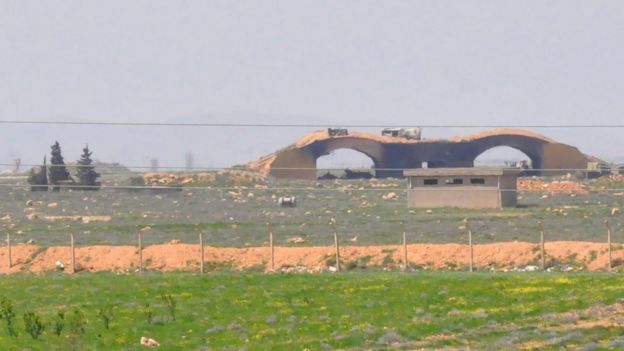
<point>395,62</point>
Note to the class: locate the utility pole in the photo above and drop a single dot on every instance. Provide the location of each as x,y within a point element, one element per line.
<point>18,163</point>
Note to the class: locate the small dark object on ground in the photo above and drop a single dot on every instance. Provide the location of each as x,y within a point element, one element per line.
<point>349,174</point>
<point>327,176</point>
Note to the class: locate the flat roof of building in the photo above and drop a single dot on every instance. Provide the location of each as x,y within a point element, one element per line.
<point>465,171</point>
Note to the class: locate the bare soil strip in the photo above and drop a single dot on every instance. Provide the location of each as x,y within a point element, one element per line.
<point>185,257</point>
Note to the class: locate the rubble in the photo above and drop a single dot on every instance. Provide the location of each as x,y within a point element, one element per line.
<point>551,188</point>
<point>76,218</point>
<point>236,176</point>
<point>166,179</point>
<point>296,240</point>
<point>390,196</point>
<point>149,342</point>
<point>529,268</point>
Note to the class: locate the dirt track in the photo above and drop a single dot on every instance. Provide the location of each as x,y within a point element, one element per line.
<point>186,257</point>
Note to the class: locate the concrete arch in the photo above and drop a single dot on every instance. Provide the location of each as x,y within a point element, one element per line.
<point>300,162</point>
<point>531,146</point>
<point>299,159</point>
<point>372,149</point>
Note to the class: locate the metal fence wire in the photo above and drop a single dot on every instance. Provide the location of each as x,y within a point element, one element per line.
<point>408,248</point>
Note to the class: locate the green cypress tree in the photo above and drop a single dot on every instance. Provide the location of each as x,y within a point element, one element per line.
<point>58,171</point>
<point>38,180</point>
<point>85,172</point>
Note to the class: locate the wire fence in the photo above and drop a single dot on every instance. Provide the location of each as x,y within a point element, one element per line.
<point>406,247</point>
<point>119,168</point>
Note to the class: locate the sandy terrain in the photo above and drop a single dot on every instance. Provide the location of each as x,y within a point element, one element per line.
<point>186,257</point>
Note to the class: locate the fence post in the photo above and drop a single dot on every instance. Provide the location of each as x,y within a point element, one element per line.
<point>201,249</point>
<point>140,247</point>
<point>404,246</point>
<point>332,223</point>
<point>73,252</point>
<point>9,248</point>
<point>609,243</point>
<point>271,247</point>
<point>471,264</point>
<point>542,249</point>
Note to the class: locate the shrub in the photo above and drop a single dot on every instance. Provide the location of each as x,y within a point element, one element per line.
<point>258,268</point>
<point>359,263</point>
<point>8,314</point>
<point>330,261</point>
<point>171,305</point>
<point>38,179</point>
<point>58,323</point>
<point>106,315</point>
<point>136,181</point>
<point>388,261</point>
<point>33,324</point>
<point>148,313</point>
<point>76,322</point>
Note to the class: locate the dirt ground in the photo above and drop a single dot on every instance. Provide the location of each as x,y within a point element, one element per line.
<point>186,257</point>
<point>554,187</point>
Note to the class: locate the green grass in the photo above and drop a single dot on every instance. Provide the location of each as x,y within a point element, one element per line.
<point>324,311</point>
<point>356,205</point>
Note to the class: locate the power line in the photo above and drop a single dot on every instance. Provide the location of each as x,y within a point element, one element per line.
<point>298,125</point>
<point>199,168</point>
<point>293,189</point>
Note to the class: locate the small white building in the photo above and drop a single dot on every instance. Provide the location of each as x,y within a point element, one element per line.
<point>477,187</point>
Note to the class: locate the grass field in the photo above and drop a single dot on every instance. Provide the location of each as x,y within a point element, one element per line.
<point>237,217</point>
<point>318,312</point>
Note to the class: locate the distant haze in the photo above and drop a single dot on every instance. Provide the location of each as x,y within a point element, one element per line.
<point>324,62</point>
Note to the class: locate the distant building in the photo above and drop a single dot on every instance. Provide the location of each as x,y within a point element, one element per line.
<point>462,187</point>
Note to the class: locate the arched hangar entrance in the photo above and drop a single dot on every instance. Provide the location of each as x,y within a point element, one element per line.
<point>345,163</point>
<point>503,156</point>
<point>512,145</point>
